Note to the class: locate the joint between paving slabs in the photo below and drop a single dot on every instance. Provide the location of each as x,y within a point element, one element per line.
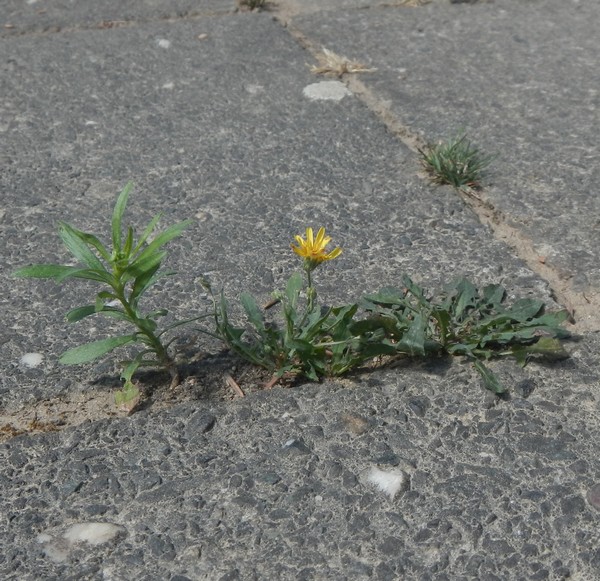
<point>109,24</point>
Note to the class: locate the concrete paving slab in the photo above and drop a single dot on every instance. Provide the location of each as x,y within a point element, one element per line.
<point>218,130</point>
<point>279,485</point>
<point>521,79</point>
<point>28,16</point>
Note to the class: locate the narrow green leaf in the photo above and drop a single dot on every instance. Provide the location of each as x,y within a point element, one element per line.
<point>79,313</point>
<point>149,229</point>
<point>147,325</point>
<point>55,271</point>
<point>143,283</point>
<point>164,237</point>
<point>128,242</point>
<point>75,241</point>
<point>87,274</point>
<point>99,304</point>
<point>490,380</point>
<point>132,366</point>
<point>184,322</point>
<point>117,217</point>
<point>460,349</point>
<point>92,240</point>
<point>160,313</point>
<point>91,351</point>
<point>518,335</point>
<point>114,313</point>
<point>551,320</point>
<point>313,324</point>
<point>305,349</point>
<point>374,324</point>
<point>143,265</point>
<point>107,296</point>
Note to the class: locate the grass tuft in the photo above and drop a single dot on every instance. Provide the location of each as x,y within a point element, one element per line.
<point>456,162</point>
<point>252,4</point>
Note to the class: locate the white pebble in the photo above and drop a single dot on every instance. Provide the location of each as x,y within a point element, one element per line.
<point>326,91</point>
<point>32,360</point>
<point>389,482</point>
<point>163,43</point>
<point>94,533</point>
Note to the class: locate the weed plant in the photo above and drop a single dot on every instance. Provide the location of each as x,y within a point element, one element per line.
<point>313,341</point>
<point>456,162</point>
<point>252,4</point>
<point>125,271</point>
<point>467,322</point>
<point>309,341</point>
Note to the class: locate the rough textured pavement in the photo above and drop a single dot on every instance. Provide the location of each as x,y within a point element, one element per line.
<point>205,109</point>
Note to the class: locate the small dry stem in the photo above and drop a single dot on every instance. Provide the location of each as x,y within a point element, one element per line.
<point>336,65</point>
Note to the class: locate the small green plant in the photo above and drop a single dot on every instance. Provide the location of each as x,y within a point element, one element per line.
<point>126,272</point>
<point>468,322</point>
<point>314,341</point>
<point>252,4</point>
<point>310,340</point>
<point>456,162</point>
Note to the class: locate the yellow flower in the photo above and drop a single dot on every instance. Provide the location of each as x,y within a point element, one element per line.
<point>313,249</point>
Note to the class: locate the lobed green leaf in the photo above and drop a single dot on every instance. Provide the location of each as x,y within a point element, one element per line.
<point>493,295</point>
<point>253,312</point>
<point>525,309</point>
<point>490,380</point>
<point>413,341</point>
<point>465,299</point>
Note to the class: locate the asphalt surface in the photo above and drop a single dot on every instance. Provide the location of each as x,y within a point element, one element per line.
<point>215,115</point>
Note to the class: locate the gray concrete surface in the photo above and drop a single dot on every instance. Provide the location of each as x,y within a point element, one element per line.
<point>206,113</point>
<point>51,16</point>
<point>524,88</point>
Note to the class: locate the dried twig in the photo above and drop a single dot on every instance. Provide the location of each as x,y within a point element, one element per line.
<point>334,64</point>
<point>231,382</point>
<point>271,304</point>
<point>272,382</point>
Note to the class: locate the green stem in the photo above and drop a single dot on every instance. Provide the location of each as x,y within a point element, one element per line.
<point>310,296</point>
<point>151,339</point>
<point>309,290</point>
